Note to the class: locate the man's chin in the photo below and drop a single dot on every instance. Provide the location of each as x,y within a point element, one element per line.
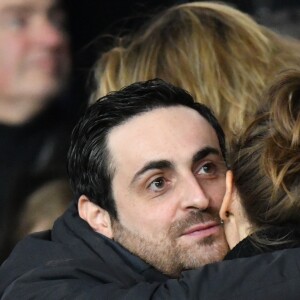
<point>201,252</point>
<point>41,88</point>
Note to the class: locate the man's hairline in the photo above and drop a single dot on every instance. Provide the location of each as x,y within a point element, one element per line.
<point>148,110</point>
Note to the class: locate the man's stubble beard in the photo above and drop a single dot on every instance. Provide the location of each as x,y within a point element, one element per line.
<point>166,253</point>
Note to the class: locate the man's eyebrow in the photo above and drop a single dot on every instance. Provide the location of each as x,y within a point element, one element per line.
<point>159,164</point>
<point>205,152</point>
<point>17,8</point>
<point>27,8</point>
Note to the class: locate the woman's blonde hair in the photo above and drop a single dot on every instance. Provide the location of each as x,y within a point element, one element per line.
<point>265,159</point>
<point>217,53</point>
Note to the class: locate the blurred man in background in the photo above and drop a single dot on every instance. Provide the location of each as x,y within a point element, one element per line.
<point>34,119</point>
<point>34,57</point>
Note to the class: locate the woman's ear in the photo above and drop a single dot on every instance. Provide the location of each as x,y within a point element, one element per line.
<point>226,207</point>
<point>97,217</point>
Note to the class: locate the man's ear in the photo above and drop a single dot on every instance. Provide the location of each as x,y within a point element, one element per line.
<point>97,217</point>
<point>226,207</point>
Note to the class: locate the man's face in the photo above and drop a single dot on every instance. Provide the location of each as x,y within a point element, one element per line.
<point>168,186</point>
<point>34,51</point>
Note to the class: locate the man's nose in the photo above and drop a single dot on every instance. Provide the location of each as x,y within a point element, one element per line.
<point>46,33</point>
<point>194,196</point>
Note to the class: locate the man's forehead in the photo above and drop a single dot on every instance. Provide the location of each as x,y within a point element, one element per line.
<point>161,112</point>
<point>173,118</point>
<point>26,4</point>
<point>165,133</point>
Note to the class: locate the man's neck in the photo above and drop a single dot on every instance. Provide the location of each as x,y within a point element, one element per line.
<point>16,112</point>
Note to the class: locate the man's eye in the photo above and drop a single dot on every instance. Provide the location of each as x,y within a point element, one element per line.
<point>211,169</point>
<point>157,185</point>
<point>15,22</point>
<point>208,169</point>
<point>58,19</point>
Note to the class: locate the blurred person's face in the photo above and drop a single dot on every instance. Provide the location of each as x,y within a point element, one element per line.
<point>168,185</point>
<point>34,50</point>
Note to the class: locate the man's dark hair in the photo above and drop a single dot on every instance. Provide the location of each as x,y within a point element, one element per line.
<point>89,160</point>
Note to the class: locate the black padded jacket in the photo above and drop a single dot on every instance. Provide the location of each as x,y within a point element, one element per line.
<point>74,262</point>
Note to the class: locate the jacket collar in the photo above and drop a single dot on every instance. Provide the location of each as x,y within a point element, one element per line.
<point>90,244</point>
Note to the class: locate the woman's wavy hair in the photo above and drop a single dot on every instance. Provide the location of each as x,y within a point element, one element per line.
<point>265,159</point>
<point>217,53</point>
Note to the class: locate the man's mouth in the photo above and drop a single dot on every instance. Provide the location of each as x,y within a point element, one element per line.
<point>46,62</point>
<point>202,230</point>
